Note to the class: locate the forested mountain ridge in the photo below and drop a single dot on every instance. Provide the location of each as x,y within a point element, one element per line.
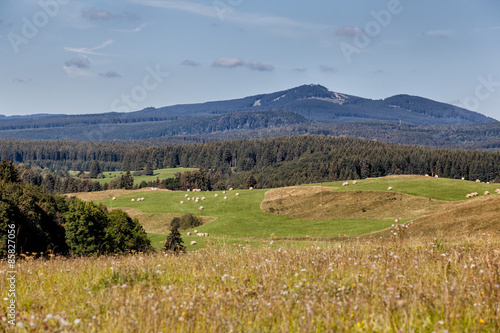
<point>308,106</point>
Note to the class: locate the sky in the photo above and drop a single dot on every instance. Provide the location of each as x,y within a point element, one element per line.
<point>78,57</point>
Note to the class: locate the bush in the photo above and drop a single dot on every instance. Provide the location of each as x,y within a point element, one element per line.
<point>124,233</point>
<point>187,221</point>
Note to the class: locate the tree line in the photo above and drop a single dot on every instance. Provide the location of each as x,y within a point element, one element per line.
<point>44,222</point>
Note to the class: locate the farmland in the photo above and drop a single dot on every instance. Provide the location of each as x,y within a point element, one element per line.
<point>272,265</point>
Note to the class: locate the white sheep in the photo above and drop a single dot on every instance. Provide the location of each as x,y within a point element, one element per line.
<point>114,198</point>
<point>389,188</point>
<point>223,192</point>
<point>142,199</point>
<point>463,178</point>
<point>193,243</point>
<point>497,190</point>
<point>436,176</point>
<point>189,190</point>
<point>225,198</point>
<point>478,181</point>
<point>468,195</point>
<point>201,207</point>
<point>206,234</point>
<point>354,182</point>
<point>230,189</point>
<point>186,195</point>
<point>250,188</point>
<point>237,194</point>
<point>189,234</point>
<point>189,199</point>
<point>182,202</point>
<point>133,200</point>
<point>195,231</point>
<point>202,198</point>
<point>486,193</point>
<point>216,195</point>
<point>426,175</point>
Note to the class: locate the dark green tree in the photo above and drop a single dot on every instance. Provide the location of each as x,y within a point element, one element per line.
<point>127,181</point>
<point>174,242</point>
<point>124,233</point>
<point>95,169</point>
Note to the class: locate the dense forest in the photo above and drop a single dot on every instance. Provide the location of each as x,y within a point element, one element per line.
<point>43,222</point>
<point>271,162</point>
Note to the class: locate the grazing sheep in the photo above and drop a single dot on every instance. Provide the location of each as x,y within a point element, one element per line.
<point>133,200</point>
<point>345,183</point>
<point>206,234</point>
<point>189,234</point>
<point>186,195</point>
<point>467,195</point>
<point>426,175</point>
<point>201,207</point>
<point>396,220</point>
<point>202,198</point>
<point>216,195</point>
<point>497,190</point>
<point>436,176</point>
<point>486,193</point>
<point>189,190</point>
<point>182,202</point>
<point>225,198</point>
<point>114,198</point>
<point>193,243</point>
<point>463,178</point>
<point>196,231</point>
<point>250,188</point>
<point>354,182</point>
<point>223,192</point>
<point>389,188</point>
<point>189,199</point>
<point>139,199</point>
<point>478,181</point>
<point>200,234</point>
<point>230,189</point>
<point>142,199</point>
<point>237,194</point>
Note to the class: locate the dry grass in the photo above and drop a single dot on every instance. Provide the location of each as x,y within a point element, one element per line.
<point>377,286</point>
<point>310,204</point>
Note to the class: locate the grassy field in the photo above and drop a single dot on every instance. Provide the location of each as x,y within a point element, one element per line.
<point>160,173</point>
<point>377,286</point>
<point>239,218</point>
<point>274,262</point>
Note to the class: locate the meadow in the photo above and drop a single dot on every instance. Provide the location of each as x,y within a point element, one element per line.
<point>394,285</point>
<point>159,173</point>
<point>263,269</point>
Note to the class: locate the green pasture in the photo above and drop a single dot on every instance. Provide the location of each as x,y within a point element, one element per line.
<point>428,187</point>
<point>160,173</point>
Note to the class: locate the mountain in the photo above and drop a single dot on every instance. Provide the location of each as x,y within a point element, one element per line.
<point>310,106</point>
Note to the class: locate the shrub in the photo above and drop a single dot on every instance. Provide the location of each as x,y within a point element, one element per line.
<point>187,221</point>
<point>124,233</point>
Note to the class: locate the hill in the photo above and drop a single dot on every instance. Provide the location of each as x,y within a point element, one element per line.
<point>313,107</point>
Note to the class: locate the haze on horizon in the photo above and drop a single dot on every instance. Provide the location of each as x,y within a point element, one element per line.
<point>89,56</point>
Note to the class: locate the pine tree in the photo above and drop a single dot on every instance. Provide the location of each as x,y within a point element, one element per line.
<point>174,241</point>
<point>95,169</point>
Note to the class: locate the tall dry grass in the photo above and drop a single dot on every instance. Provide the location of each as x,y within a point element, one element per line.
<point>378,286</point>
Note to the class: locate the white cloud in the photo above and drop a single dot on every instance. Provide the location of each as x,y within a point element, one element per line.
<point>258,66</point>
<point>138,29</point>
<point>73,71</point>
<point>228,62</point>
<point>80,63</point>
<point>233,15</point>
<point>86,50</point>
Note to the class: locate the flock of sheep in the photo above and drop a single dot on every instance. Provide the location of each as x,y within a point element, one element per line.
<point>197,199</point>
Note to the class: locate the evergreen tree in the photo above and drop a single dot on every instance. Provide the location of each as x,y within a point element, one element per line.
<point>95,169</point>
<point>174,241</point>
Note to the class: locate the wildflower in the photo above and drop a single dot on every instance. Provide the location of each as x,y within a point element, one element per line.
<point>481,321</point>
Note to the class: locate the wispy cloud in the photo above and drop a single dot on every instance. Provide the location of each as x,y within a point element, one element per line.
<point>138,29</point>
<point>348,31</point>
<point>258,66</point>
<point>90,51</point>
<point>228,62</point>
<point>191,63</point>
<point>327,69</point>
<point>439,33</point>
<point>110,75</point>
<point>95,14</point>
<point>233,16</point>
<point>73,71</point>
<point>77,62</point>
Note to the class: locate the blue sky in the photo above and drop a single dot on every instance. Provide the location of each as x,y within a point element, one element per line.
<point>62,56</point>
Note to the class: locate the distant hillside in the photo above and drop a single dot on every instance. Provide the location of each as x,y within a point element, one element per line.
<point>313,107</point>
